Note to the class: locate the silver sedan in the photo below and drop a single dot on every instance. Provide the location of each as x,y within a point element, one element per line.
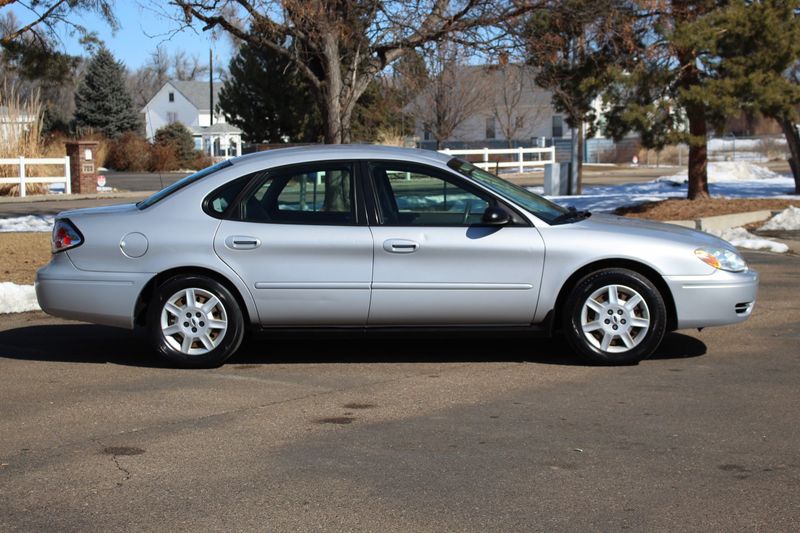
<point>376,239</point>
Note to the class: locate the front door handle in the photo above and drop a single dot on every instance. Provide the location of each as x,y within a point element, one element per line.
<point>242,242</point>
<point>400,246</point>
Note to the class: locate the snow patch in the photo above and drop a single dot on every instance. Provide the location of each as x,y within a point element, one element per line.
<point>788,220</point>
<point>17,298</point>
<point>741,238</point>
<point>41,223</point>
<point>727,171</point>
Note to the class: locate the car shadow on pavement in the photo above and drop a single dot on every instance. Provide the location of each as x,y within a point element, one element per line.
<point>85,343</point>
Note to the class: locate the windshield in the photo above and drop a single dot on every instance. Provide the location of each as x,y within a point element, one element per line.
<point>180,184</point>
<point>537,205</point>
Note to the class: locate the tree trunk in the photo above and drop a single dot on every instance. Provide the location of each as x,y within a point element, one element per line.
<point>698,153</point>
<point>793,140</point>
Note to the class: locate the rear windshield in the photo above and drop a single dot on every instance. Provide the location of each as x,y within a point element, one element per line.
<point>180,184</point>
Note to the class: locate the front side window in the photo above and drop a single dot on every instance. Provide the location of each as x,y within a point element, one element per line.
<point>320,194</point>
<point>409,195</point>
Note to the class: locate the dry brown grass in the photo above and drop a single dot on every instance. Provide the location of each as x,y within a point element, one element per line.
<point>22,136</point>
<point>22,254</point>
<point>390,137</point>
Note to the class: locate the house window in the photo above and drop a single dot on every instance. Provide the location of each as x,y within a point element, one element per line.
<point>172,117</point>
<point>171,97</point>
<point>426,132</point>
<point>490,133</point>
<point>519,122</point>
<point>558,126</point>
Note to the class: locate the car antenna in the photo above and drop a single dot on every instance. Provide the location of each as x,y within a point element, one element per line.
<point>153,135</point>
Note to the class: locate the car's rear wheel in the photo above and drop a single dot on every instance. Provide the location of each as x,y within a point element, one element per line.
<point>615,316</point>
<point>195,322</point>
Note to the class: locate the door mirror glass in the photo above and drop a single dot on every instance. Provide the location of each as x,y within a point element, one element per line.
<point>496,216</point>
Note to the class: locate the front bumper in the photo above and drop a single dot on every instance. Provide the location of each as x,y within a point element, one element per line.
<point>107,298</point>
<point>714,300</point>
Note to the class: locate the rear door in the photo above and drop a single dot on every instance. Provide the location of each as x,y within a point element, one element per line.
<point>436,264</point>
<point>299,241</point>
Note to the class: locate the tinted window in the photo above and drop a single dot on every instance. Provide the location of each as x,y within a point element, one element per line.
<point>414,196</point>
<point>307,195</point>
<point>220,200</point>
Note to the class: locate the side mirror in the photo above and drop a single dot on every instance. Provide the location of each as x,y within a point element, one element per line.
<point>496,216</point>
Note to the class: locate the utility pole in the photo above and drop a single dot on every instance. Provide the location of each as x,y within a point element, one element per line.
<point>211,82</point>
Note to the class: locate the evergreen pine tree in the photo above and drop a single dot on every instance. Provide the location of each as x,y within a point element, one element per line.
<point>757,63</point>
<point>268,99</point>
<point>102,101</point>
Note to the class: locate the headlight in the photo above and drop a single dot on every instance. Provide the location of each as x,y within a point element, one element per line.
<point>721,259</point>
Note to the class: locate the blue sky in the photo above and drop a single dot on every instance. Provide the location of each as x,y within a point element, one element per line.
<point>143,27</point>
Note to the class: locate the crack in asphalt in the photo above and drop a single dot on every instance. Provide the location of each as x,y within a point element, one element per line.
<point>126,473</point>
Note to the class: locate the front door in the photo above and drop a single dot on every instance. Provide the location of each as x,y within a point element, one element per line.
<point>298,243</point>
<point>435,264</point>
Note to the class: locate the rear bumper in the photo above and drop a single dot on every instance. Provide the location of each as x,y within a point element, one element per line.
<point>715,300</point>
<point>107,298</point>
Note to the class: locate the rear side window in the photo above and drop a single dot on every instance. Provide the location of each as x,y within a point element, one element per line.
<point>219,202</point>
<point>321,194</point>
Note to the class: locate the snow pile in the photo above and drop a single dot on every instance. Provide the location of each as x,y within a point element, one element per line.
<point>788,220</point>
<point>728,171</point>
<point>17,298</point>
<point>27,223</point>
<point>741,238</point>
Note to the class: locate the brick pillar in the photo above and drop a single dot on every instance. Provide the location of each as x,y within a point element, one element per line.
<point>83,166</point>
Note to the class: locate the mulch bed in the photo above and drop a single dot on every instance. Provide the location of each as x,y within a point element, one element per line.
<point>683,209</point>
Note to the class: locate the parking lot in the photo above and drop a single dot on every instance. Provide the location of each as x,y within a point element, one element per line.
<point>405,435</point>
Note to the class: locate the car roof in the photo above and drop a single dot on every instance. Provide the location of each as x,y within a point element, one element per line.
<point>343,151</point>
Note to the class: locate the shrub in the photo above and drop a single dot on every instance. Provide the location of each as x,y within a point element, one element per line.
<point>200,161</point>
<point>180,138</point>
<point>129,152</point>
<point>163,158</point>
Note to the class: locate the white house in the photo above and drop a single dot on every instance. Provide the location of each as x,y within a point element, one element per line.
<point>189,102</point>
<point>13,123</point>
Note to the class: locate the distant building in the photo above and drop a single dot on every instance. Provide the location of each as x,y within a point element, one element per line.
<point>512,105</point>
<point>189,103</point>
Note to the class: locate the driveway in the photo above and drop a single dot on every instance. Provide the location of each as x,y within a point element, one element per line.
<point>405,435</point>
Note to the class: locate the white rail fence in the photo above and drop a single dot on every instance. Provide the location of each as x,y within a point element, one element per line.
<point>22,179</point>
<point>544,156</point>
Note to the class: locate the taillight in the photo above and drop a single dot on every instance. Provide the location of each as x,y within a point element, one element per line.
<point>65,236</point>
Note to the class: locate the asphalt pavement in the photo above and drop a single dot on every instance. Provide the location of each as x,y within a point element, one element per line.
<point>411,435</point>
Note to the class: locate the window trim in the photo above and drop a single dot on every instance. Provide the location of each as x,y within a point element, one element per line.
<point>233,213</point>
<point>373,206</point>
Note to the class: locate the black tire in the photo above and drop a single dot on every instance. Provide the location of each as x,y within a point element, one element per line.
<point>222,342</point>
<point>639,341</point>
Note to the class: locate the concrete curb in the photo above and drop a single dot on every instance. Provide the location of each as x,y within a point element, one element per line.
<point>722,222</point>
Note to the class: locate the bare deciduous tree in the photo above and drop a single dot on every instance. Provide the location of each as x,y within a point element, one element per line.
<point>516,108</point>
<point>161,67</point>
<point>340,46</point>
<point>449,93</point>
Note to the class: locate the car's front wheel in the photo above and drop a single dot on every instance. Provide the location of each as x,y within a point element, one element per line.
<point>195,322</point>
<point>615,316</point>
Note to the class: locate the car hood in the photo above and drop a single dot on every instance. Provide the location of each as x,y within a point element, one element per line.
<point>93,211</point>
<point>637,227</point>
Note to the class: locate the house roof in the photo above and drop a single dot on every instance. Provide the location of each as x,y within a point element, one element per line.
<point>216,128</point>
<point>197,92</point>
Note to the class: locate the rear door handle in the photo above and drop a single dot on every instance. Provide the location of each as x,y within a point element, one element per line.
<point>242,242</point>
<point>400,246</point>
